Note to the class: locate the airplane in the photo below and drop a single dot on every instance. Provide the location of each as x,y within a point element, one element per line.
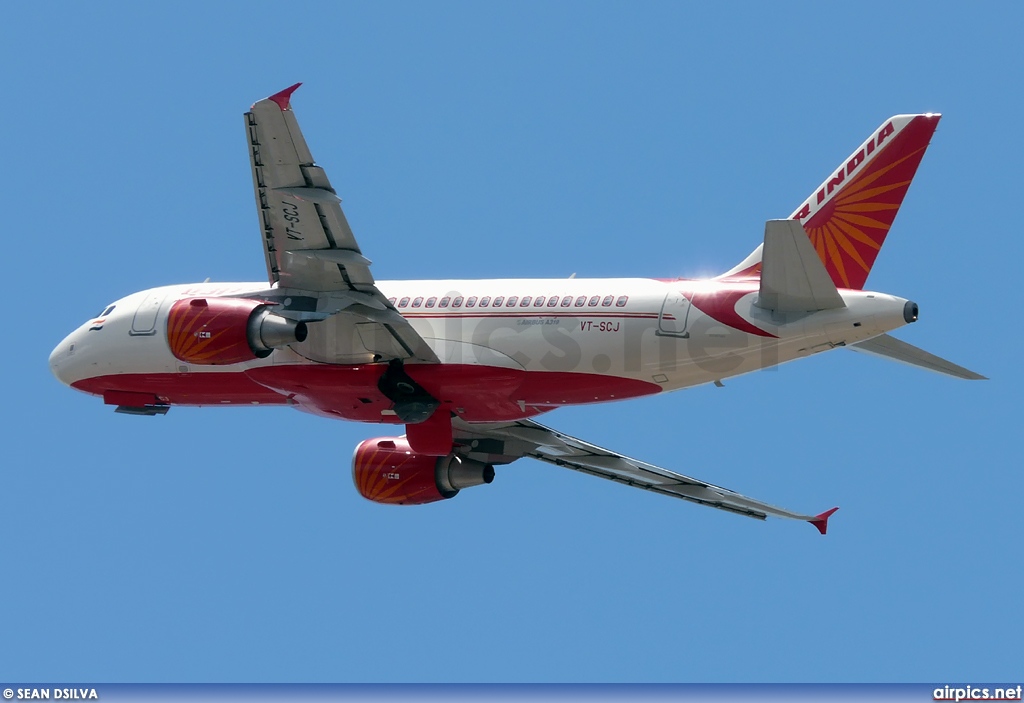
<point>466,365</point>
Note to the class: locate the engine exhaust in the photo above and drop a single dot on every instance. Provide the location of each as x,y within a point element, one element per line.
<point>267,332</point>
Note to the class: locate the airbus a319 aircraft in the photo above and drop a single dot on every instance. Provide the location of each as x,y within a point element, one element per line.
<point>463,366</point>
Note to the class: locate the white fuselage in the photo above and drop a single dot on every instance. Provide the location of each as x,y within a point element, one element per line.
<point>667,335</point>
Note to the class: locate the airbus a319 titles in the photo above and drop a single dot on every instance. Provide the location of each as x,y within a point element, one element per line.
<point>460,369</point>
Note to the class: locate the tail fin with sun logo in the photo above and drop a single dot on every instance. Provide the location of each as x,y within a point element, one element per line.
<point>849,215</point>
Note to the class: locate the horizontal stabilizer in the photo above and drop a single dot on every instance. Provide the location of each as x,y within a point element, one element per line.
<point>793,279</point>
<point>892,348</point>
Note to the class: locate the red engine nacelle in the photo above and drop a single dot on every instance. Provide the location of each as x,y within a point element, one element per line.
<point>386,470</point>
<point>210,331</point>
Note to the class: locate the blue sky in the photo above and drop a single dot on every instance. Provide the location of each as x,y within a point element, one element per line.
<point>536,140</point>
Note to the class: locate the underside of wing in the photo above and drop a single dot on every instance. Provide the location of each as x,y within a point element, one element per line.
<point>506,442</point>
<point>307,242</point>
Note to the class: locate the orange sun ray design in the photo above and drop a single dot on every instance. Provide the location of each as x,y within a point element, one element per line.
<point>866,207</point>
<point>862,220</point>
<point>817,237</point>
<point>871,193</point>
<point>840,237</point>
<point>836,258</point>
<point>866,179</point>
<point>854,233</point>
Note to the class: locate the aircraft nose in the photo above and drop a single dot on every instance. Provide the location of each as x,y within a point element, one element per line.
<point>59,359</point>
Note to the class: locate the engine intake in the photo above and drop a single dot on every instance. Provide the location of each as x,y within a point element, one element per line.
<point>386,470</point>
<point>214,331</point>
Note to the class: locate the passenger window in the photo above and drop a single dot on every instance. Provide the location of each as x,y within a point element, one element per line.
<point>471,302</point>
<point>566,301</point>
<point>391,300</point>
<point>404,302</point>
<point>607,302</point>
<point>418,302</point>
<point>594,301</point>
<point>511,301</point>
<point>539,302</point>
<point>580,301</point>
<point>431,302</point>
<point>553,302</point>
<point>457,303</point>
<point>485,301</point>
<point>498,301</point>
<point>621,302</point>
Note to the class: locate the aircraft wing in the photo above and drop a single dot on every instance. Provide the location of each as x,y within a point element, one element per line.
<point>505,442</point>
<point>307,242</point>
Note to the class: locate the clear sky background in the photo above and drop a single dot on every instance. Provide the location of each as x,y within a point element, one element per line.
<point>523,140</point>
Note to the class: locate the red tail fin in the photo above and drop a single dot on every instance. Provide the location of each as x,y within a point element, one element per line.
<point>849,216</point>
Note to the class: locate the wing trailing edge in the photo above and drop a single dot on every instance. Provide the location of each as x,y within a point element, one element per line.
<point>506,442</point>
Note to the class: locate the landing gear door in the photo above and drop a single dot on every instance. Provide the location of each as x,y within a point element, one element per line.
<point>144,322</point>
<point>675,313</point>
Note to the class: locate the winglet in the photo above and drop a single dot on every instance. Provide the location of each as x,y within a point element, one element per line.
<point>283,99</point>
<point>821,521</point>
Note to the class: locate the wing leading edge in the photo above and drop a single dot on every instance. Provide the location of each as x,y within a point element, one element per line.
<point>506,442</point>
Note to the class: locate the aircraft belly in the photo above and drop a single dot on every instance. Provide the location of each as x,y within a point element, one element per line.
<point>475,393</point>
<point>196,389</point>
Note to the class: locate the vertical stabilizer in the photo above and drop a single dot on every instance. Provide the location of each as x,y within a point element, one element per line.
<point>849,215</point>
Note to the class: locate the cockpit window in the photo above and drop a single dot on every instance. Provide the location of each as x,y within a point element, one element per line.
<point>97,322</point>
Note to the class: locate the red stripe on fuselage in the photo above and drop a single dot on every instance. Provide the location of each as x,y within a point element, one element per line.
<point>719,303</point>
<point>413,314</point>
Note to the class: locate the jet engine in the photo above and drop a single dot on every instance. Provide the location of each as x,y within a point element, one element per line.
<point>386,470</point>
<point>212,331</point>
